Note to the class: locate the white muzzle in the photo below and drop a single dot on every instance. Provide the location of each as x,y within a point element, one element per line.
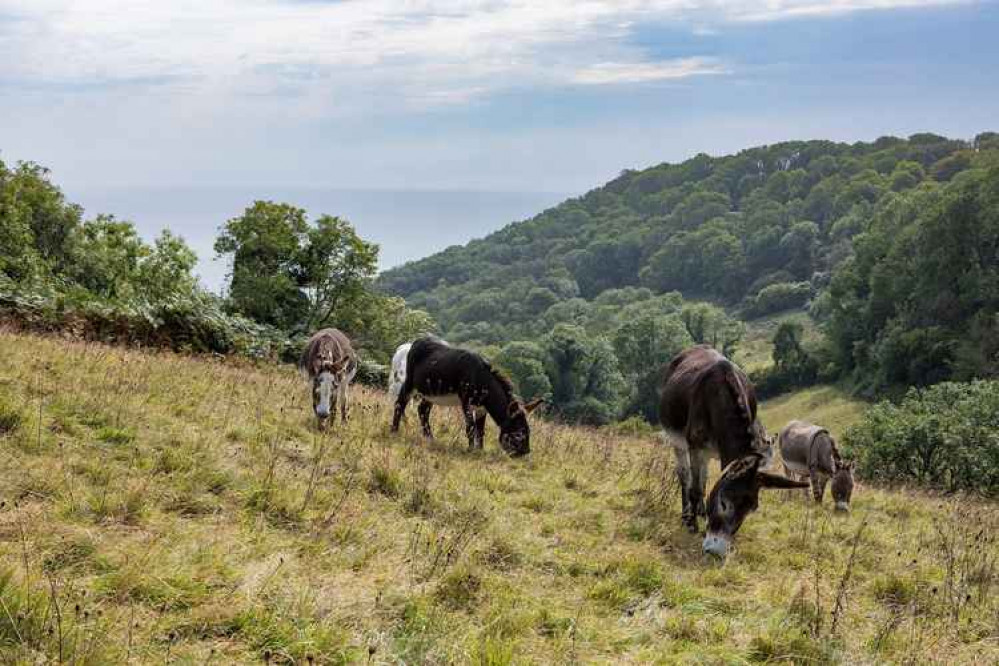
<point>716,544</point>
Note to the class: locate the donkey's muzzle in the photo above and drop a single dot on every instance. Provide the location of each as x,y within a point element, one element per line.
<point>715,544</point>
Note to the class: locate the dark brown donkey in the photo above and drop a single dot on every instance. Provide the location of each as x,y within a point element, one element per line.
<point>708,409</point>
<point>809,451</point>
<point>444,375</point>
<point>329,363</point>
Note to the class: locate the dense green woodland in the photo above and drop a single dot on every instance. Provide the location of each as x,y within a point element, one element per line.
<point>891,246</point>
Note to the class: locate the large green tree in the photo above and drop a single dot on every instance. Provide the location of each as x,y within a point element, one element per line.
<point>587,385</point>
<point>265,244</point>
<point>644,346</point>
<point>335,268</point>
<point>37,224</point>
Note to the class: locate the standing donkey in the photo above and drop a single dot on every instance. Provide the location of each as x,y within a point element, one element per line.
<point>810,451</point>
<point>329,363</point>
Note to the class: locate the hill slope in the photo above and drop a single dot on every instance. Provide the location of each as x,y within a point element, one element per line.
<point>158,508</point>
<point>762,228</point>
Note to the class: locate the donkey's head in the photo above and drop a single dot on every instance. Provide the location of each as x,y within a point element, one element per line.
<point>515,432</point>
<point>842,484</point>
<point>325,386</point>
<point>735,496</point>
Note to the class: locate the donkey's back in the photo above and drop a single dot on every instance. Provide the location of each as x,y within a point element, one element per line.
<point>328,350</point>
<point>805,446</point>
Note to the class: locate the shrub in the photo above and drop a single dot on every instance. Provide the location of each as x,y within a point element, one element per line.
<point>945,436</point>
<point>777,297</point>
<point>372,374</point>
<point>194,322</point>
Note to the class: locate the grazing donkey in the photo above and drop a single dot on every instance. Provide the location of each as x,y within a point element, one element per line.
<point>708,409</point>
<point>329,363</point>
<point>809,451</point>
<point>445,375</point>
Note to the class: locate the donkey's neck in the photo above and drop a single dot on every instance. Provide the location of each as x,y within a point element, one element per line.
<point>497,402</point>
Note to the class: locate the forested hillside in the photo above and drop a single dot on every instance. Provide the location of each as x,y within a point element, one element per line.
<point>831,228</point>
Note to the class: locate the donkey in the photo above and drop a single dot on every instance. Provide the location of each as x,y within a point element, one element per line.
<point>444,375</point>
<point>708,409</point>
<point>329,363</point>
<point>810,451</point>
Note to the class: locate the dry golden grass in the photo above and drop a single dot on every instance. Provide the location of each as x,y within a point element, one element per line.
<point>159,509</point>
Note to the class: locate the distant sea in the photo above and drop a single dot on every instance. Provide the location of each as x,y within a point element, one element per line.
<point>407,224</point>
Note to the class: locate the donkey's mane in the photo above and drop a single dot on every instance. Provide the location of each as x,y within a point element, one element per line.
<point>503,380</point>
<point>738,390</point>
<point>837,458</point>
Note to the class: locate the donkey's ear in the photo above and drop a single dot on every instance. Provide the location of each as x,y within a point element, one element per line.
<point>768,480</point>
<point>533,404</point>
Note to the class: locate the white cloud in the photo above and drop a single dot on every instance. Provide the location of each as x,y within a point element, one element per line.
<point>420,52</point>
<point>774,10</point>
<point>642,72</point>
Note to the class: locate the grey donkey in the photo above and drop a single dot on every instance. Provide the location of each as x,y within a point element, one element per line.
<point>810,451</point>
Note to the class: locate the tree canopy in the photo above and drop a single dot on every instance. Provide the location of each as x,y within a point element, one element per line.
<point>829,228</point>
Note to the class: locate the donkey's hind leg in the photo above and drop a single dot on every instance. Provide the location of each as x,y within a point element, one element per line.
<point>688,512</point>
<point>400,408</point>
<point>424,412</point>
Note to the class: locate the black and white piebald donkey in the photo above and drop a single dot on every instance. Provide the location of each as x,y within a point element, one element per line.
<point>444,375</point>
<point>708,409</point>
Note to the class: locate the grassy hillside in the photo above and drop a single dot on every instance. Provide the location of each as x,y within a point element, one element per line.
<point>159,509</point>
<point>755,350</point>
<point>828,405</point>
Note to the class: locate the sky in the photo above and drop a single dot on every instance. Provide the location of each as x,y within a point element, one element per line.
<point>430,122</point>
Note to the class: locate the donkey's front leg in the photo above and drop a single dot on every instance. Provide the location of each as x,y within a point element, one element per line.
<point>469,413</point>
<point>699,482</point>
<point>684,475</point>
<point>480,426</point>
<point>344,397</point>
<point>819,481</point>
